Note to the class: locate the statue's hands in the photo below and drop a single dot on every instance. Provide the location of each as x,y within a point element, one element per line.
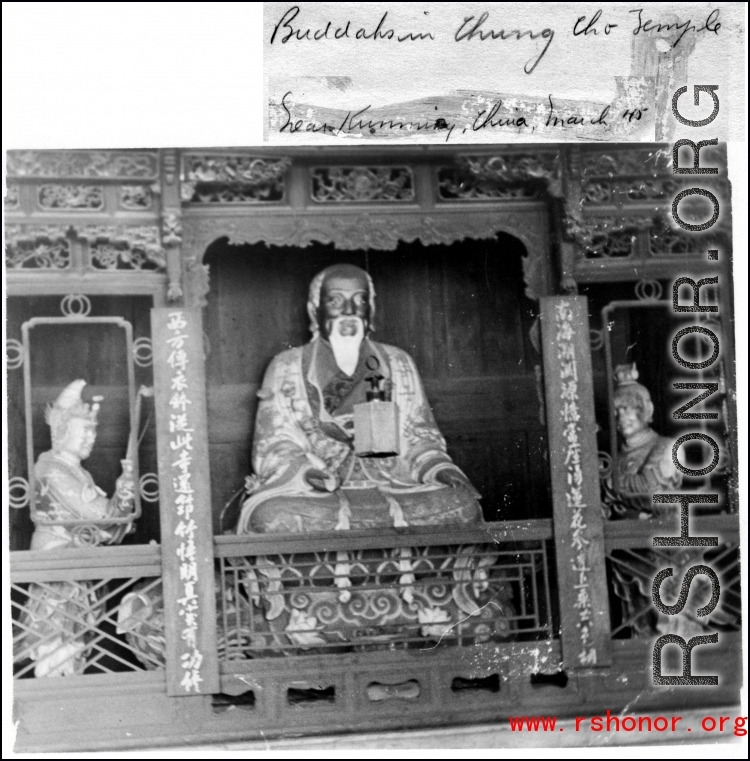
<point>455,480</point>
<point>125,485</point>
<point>322,481</point>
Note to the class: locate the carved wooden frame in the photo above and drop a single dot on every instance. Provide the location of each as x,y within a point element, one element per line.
<point>372,228</point>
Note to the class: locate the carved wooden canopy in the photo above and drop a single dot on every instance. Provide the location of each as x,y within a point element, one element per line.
<point>141,221</point>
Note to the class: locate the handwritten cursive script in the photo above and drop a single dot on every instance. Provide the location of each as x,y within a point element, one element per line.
<point>468,31</point>
<point>711,24</point>
<point>360,121</point>
<point>508,116</point>
<point>285,31</point>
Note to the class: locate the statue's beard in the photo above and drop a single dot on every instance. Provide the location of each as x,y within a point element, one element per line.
<point>345,335</point>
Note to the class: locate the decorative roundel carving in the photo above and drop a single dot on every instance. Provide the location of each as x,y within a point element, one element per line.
<point>143,352</point>
<point>596,339</point>
<point>149,485</point>
<point>648,290</point>
<point>18,492</point>
<point>14,353</point>
<point>86,535</point>
<point>605,465</point>
<point>75,305</point>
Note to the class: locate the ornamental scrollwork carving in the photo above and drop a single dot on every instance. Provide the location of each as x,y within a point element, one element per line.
<point>516,168</point>
<point>228,179</point>
<point>124,248</point>
<point>342,184</point>
<point>171,238</point>
<point>664,240</point>
<point>171,229</point>
<point>604,237</point>
<point>111,256</point>
<point>12,198</point>
<point>42,247</point>
<point>84,164</point>
<point>365,231</point>
<point>648,162</point>
<point>600,192</point>
<point>135,197</point>
<point>70,197</point>
<point>455,184</point>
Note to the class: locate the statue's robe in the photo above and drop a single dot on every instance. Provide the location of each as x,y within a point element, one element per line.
<point>643,470</point>
<point>67,492</point>
<point>60,617</point>
<point>372,598</point>
<point>305,422</point>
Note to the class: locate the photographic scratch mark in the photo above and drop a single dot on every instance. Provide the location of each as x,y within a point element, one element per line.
<point>466,618</point>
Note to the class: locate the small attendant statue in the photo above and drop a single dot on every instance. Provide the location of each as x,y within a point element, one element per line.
<point>644,461</point>
<point>71,511</point>
<point>644,468</point>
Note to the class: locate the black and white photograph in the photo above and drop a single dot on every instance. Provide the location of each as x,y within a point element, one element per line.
<point>379,444</point>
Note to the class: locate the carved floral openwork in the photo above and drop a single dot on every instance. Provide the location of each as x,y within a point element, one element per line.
<point>649,162</point>
<point>12,197</point>
<point>84,164</point>
<point>124,248</point>
<point>600,192</point>
<point>135,197</point>
<point>171,229</point>
<point>456,184</point>
<point>604,237</point>
<point>664,240</point>
<point>368,231</point>
<point>42,247</point>
<point>71,197</point>
<point>227,179</point>
<point>342,184</point>
<point>542,169</point>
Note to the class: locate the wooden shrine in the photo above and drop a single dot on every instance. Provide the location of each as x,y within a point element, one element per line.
<point>184,272</point>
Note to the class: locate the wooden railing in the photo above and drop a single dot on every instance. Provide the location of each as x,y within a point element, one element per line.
<point>394,589</point>
<point>633,562</point>
<point>68,615</point>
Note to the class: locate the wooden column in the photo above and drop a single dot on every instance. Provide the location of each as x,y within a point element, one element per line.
<point>185,502</point>
<point>574,464</point>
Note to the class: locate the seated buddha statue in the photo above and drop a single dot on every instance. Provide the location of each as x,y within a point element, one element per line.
<point>310,471</point>
<point>345,439</point>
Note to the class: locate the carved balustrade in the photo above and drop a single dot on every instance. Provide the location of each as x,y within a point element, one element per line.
<point>344,631</point>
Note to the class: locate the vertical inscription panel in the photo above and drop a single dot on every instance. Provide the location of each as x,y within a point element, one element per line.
<point>187,537</point>
<point>577,514</point>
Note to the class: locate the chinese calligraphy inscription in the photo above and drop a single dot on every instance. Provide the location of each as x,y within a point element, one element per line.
<point>187,553</point>
<point>575,482</point>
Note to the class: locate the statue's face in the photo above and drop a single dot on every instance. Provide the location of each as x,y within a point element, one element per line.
<point>630,419</point>
<point>79,438</point>
<point>344,306</point>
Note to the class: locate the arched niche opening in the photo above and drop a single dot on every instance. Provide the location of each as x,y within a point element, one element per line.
<point>460,310</point>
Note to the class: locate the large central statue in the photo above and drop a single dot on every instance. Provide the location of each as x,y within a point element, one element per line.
<point>314,470</point>
<point>345,439</point>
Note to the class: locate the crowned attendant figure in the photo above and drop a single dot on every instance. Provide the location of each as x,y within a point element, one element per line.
<point>644,461</point>
<point>344,435</point>
<point>645,467</point>
<point>71,511</point>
